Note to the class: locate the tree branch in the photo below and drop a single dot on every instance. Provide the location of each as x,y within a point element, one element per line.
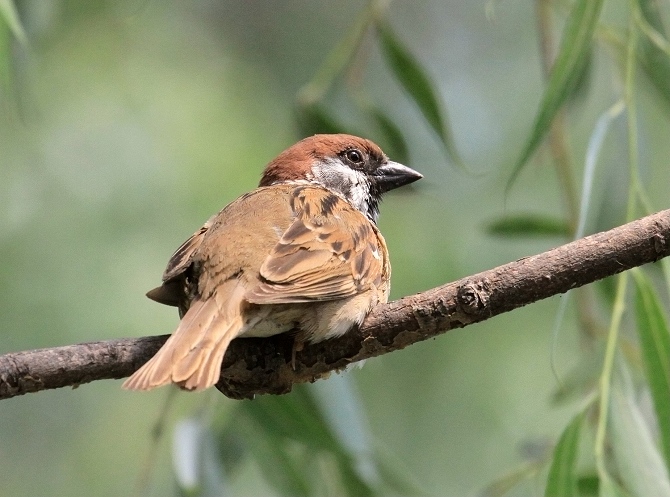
<point>258,366</point>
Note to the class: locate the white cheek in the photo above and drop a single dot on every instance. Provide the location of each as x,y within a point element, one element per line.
<point>340,178</point>
<point>358,198</point>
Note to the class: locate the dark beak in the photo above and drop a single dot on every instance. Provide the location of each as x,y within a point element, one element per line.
<point>394,175</point>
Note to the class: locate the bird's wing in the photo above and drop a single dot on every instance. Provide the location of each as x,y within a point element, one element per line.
<point>181,259</point>
<point>172,290</point>
<point>329,251</point>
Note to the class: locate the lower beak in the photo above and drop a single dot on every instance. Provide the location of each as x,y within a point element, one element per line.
<point>394,175</point>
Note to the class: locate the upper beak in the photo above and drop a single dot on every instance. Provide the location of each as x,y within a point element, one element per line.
<point>394,175</point>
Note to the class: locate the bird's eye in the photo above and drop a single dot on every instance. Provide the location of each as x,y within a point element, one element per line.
<point>354,156</point>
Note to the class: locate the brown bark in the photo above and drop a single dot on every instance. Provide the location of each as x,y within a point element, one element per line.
<point>259,366</point>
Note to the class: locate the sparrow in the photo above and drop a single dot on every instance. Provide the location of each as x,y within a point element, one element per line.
<point>301,253</point>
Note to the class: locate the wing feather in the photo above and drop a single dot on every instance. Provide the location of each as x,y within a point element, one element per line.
<point>172,291</point>
<point>181,259</point>
<point>321,255</point>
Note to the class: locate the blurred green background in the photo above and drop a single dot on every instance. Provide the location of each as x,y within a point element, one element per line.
<point>125,125</point>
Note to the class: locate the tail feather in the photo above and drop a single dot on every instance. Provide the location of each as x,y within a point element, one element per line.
<point>209,369</point>
<point>192,339</point>
<point>192,356</point>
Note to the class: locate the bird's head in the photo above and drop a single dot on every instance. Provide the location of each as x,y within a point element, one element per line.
<point>352,167</point>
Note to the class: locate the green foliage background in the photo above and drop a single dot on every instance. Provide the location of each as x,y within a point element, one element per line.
<point>123,126</point>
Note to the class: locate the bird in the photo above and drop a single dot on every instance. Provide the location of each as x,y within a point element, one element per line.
<point>301,253</point>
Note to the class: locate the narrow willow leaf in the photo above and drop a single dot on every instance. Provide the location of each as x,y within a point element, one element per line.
<point>569,65</point>
<point>583,79</point>
<point>655,61</point>
<point>529,225</point>
<point>592,153</point>
<point>351,480</point>
<point>606,288</point>
<point>588,485</point>
<point>392,141</point>
<point>281,469</point>
<point>338,59</point>
<point>11,18</point>
<point>641,467</point>
<point>293,417</point>
<point>288,419</point>
<point>417,84</point>
<point>315,119</point>
<point>341,407</point>
<point>652,328</point>
<point>653,35</point>
<point>562,480</point>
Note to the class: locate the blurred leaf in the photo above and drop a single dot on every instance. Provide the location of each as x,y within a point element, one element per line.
<point>652,327</point>
<point>592,154</point>
<point>569,65</point>
<point>655,61</point>
<point>293,416</point>
<point>529,225</point>
<point>581,379</point>
<point>652,34</point>
<point>338,59</point>
<point>6,75</point>
<point>417,84</point>
<point>285,473</point>
<point>665,267</point>
<point>562,481</point>
<point>315,119</point>
<point>640,465</point>
<point>232,450</point>
<point>535,453</point>
<point>352,481</point>
<point>395,478</point>
<point>285,420</point>
<point>393,142</point>
<point>11,18</point>
<point>607,289</point>
<point>588,485</point>
<point>342,409</point>
<point>213,479</point>
<point>615,38</point>
<point>609,488</point>
<point>196,460</point>
<point>537,449</point>
<point>502,485</point>
<point>582,80</point>
<point>186,455</point>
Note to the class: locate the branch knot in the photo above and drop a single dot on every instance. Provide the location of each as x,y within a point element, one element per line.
<point>473,296</point>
